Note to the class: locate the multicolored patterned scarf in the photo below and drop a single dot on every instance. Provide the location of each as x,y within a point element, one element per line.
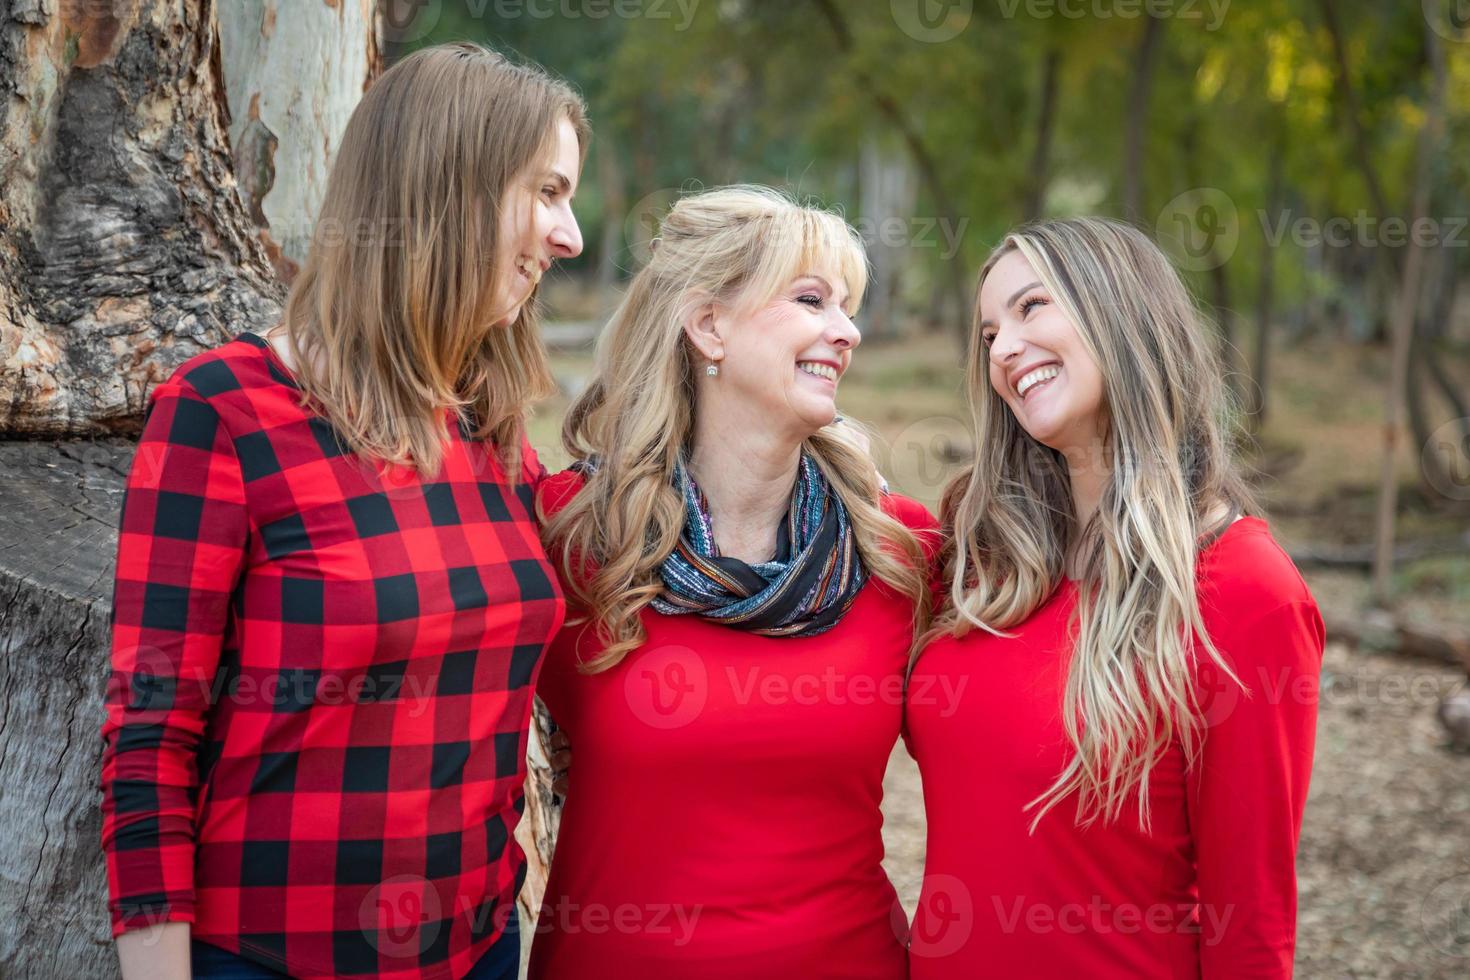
<point>802,591</point>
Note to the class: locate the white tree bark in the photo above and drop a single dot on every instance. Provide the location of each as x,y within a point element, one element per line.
<point>293,72</point>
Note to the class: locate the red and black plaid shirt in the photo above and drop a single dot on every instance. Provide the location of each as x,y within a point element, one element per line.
<point>322,674</point>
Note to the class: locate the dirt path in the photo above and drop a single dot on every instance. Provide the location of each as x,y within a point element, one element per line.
<point>1385,856</point>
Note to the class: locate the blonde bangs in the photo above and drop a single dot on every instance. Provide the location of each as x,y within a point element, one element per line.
<point>802,240</point>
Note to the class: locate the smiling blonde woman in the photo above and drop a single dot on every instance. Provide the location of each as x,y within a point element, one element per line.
<point>744,595</point>
<point>1120,792</point>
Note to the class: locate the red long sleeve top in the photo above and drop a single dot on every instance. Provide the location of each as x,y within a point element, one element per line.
<point>722,819</point>
<point>315,735</point>
<point>1210,891</point>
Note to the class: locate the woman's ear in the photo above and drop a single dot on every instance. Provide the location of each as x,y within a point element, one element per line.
<point>702,326</point>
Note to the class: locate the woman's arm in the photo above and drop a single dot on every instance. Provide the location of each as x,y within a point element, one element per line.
<point>158,952</point>
<point>181,546</point>
<point>1249,788</point>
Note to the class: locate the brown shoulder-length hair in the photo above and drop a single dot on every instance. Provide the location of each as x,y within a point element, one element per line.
<point>390,321</point>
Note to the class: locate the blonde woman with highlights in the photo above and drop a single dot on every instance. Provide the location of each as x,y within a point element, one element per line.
<point>331,593</point>
<point>1141,655</point>
<point>744,593</point>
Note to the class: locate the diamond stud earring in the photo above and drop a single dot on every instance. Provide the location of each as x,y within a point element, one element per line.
<point>712,370</point>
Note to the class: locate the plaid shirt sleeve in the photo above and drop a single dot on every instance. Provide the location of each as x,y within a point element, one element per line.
<point>181,548</point>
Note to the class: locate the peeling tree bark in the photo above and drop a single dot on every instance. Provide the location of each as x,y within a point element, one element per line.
<point>293,72</point>
<point>124,247</point>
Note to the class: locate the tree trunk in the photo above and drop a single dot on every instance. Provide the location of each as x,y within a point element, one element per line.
<point>125,248</point>
<point>1144,62</point>
<point>536,832</point>
<point>293,73</point>
<point>886,199</point>
<point>1230,358</point>
<point>614,194</point>
<point>1404,322</point>
<point>1266,298</point>
<point>1036,180</point>
<point>1385,632</point>
<point>1347,98</point>
<point>1220,302</point>
<point>1427,372</point>
<point>1441,311</point>
<point>924,161</point>
<point>58,514</point>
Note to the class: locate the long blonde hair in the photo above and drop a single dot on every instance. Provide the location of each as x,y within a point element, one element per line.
<point>735,247</point>
<point>1010,521</point>
<point>390,321</point>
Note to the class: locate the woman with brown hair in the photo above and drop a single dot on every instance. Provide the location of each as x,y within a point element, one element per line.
<point>331,597</point>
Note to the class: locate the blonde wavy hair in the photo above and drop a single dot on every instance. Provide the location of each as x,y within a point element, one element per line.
<point>390,320</point>
<point>1010,523</point>
<point>736,247</point>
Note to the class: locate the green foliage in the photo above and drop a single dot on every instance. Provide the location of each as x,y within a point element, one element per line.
<point>775,92</point>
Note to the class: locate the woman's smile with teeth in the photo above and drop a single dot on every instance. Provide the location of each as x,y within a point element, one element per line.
<point>818,370</point>
<point>1039,376</point>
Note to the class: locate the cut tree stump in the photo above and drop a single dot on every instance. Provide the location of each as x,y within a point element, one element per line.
<point>59,506</point>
